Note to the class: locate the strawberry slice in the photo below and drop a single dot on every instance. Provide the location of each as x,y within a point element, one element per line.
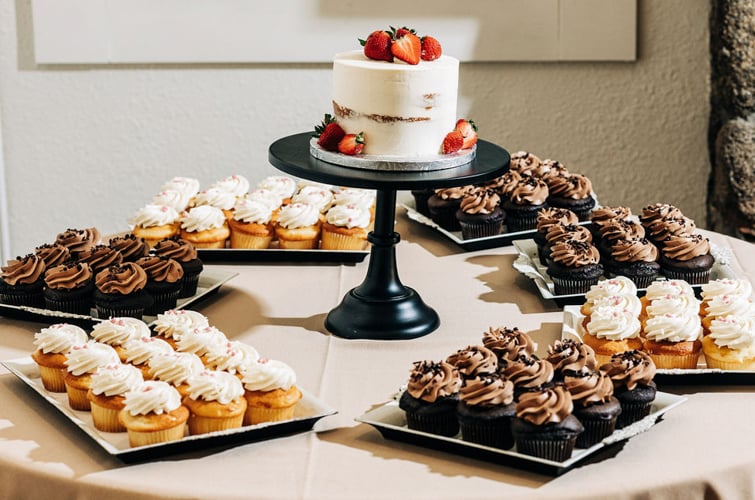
<point>377,46</point>
<point>431,49</point>
<point>452,142</point>
<point>468,130</point>
<point>329,133</point>
<point>351,144</point>
<point>407,48</point>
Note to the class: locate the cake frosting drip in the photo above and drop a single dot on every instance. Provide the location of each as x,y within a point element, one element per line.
<point>548,406</point>
<point>613,324</point>
<point>349,216</point>
<point>574,186</point>
<point>23,270</point>
<point>237,185</point>
<point>117,331</point>
<point>529,191</point>
<point>175,367</point>
<point>53,255</point>
<point>588,389</point>
<point>630,368</point>
<point>268,375</point>
<point>140,351</point>
<point>480,201</point>
<point>172,198</point>
<point>528,372</point>
<point>59,338</point>
<point>153,216</point>
<point>175,322</point>
<point>685,247</point>
<point>176,249</point>
<point>551,216</point>
<point>202,218</point>
<point>298,215</point>
<point>430,381</point>
<point>115,379</point>
<point>161,269</point>
<point>68,276</point>
<point>125,278</point>
<point>78,240</point>
<point>563,232</point>
<point>100,257</point>
<point>574,253</point>
<point>487,390</point>
<point>215,197</point>
<point>215,386</point>
<point>524,161</point>
<point>152,396</point>
<point>736,333</point>
<point>130,247</point>
<point>619,229</point>
<point>634,250</point>
<point>86,358</point>
<point>571,356</point>
<point>252,211</point>
<point>233,356</point>
<point>474,360</point>
<point>508,343</point>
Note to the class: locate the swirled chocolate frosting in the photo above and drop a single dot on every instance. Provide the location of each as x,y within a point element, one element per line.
<point>480,201</point>
<point>529,191</point>
<point>587,389</point>
<point>124,279</point>
<point>161,269</point>
<point>68,276</point>
<point>78,240</point>
<point>528,372</point>
<point>572,253</point>
<point>23,270</point>
<point>574,186</point>
<point>571,356</point>
<point>508,343</point>
<point>685,247</point>
<point>550,216</point>
<point>630,368</point>
<point>176,249</point>
<point>130,246</point>
<point>634,250</point>
<point>53,255</point>
<point>100,256</point>
<point>550,405</point>
<point>487,390</point>
<point>430,381</point>
<point>474,360</point>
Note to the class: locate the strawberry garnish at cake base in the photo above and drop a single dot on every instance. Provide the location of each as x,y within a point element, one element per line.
<point>329,134</point>
<point>378,46</point>
<point>430,48</point>
<point>407,47</point>
<point>452,143</point>
<point>468,129</point>
<point>351,144</point>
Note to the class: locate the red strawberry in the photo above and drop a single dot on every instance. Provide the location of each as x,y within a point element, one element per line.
<point>398,33</point>
<point>329,134</point>
<point>452,142</point>
<point>378,46</point>
<point>431,49</point>
<point>407,47</point>
<point>468,129</point>
<point>351,144</point>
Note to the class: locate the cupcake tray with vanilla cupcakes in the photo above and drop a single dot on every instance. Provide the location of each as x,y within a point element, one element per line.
<point>278,219</point>
<point>505,209</point>
<point>499,401</point>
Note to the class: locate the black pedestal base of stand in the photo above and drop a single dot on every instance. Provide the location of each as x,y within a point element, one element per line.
<point>398,318</point>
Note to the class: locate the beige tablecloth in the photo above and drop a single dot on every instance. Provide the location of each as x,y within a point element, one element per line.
<point>703,448</point>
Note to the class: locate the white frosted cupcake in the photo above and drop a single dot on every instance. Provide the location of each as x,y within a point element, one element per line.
<point>205,227</point>
<point>233,357</point>
<point>153,413</point>
<point>117,331</point>
<point>626,303</point>
<point>173,198</point>
<point>171,324</point>
<point>345,228</point>
<point>298,226</point>
<point>215,402</point>
<point>52,346</point>
<point>610,331</point>
<point>237,185</point>
<point>106,394</point>
<point>175,368</point>
<point>319,197</point>
<point>731,343</point>
<point>138,352</point>
<point>83,361</point>
<point>251,224</point>
<point>187,186</point>
<point>727,305</point>
<point>283,186</point>
<point>617,286</point>
<point>673,340</point>
<point>154,223</point>
<point>685,304</point>
<point>200,341</point>
<point>216,197</point>
<point>270,391</point>
<point>362,198</point>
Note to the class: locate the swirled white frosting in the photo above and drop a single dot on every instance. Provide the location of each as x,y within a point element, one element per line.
<point>613,324</point>
<point>154,215</point>
<point>232,357</point>
<point>187,186</point>
<point>730,305</point>
<point>217,386</point>
<point>297,215</point>
<point>673,328</point>
<point>662,288</point>
<point>118,331</point>
<point>215,197</point>
<point>268,375</point>
<point>140,351</point>
<point>279,184</point>
<point>237,185</point>
<point>203,218</point>
<point>619,285</point>
<point>173,198</point>
<point>348,216</point>
<point>252,211</point>
<point>719,287</point>
<point>173,323</point>
<point>59,338</point>
<point>266,196</point>
<point>115,379</point>
<point>627,303</point>
<point>735,333</point>
<point>175,367</point>
<point>86,358</point>
<point>201,340</point>
<point>674,304</point>
<point>321,198</point>
<point>363,198</point>
<point>152,396</point>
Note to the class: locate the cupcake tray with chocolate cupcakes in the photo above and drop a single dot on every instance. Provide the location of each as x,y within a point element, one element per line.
<point>529,264</point>
<point>307,412</point>
<point>391,422</point>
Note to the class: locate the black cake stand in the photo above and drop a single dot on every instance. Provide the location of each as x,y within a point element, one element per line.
<point>382,308</point>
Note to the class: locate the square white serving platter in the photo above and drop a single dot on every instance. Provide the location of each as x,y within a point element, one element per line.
<point>390,421</point>
<point>308,411</point>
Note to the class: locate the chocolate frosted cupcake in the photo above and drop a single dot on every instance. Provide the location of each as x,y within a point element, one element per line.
<point>570,357</point>
<point>523,162</point>
<point>617,230</point>
<point>686,258</point>
<point>544,425</point>
<point>573,192</point>
<point>508,344</point>
<point>528,373</point>
<point>78,240</point>
<point>563,232</point>
<point>480,215</point>
<point>474,361</point>
<point>131,247</point>
<point>594,405</point>
<point>548,169</point>
<point>443,206</point>
<point>99,257</point>
<point>632,373</point>
<point>574,267</point>
<point>485,411</point>
<point>69,288</point>
<point>659,231</point>
<point>431,397</point>
<point>53,255</point>
<point>164,282</point>
<point>523,203</point>
<point>119,291</point>
<point>186,255</point>
<point>546,218</point>
<point>636,259</point>
<point>22,281</point>
<point>654,213</point>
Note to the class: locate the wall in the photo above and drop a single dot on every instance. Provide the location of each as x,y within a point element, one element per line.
<point>88,145</point>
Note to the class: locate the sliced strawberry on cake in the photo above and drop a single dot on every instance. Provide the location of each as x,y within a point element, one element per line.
<point>351,144</point>
<point>406,46</point>
<point>452,142</point>
<point>468,130</point>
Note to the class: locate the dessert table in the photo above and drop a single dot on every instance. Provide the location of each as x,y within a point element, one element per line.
<point>702,448</point>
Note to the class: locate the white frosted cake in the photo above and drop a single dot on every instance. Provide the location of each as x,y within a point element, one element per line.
<point>403,110</point>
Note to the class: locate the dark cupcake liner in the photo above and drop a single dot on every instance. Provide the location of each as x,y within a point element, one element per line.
<point>595,431</point>
<point>81,305</point>
<point>693,278</point>
<point>494,433</point>
<point>189,286</point>
<point>162,301</point>
<point>572,286</point>
<point>556,450</point>
<point>631,413</point>
<point>29,299</point>
<point>470,231</point>
<point>446,218</point>
<point>105,311</point>
<point>443,424</point>
<point>516,222</point>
